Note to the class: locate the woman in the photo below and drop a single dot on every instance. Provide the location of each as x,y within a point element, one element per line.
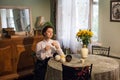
<point>44,50</point>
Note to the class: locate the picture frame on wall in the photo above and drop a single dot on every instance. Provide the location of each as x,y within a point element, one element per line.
<point>115,11</point>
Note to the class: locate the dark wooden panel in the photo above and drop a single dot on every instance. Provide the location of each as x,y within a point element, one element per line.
<point>15,56</point>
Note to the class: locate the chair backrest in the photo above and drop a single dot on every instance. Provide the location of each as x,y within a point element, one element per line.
<point>76,73</point>
<point>100,50</point>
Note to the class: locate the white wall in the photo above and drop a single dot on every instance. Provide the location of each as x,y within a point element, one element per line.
<point>109,31</point>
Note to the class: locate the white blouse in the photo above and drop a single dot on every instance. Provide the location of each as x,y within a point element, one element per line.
<point>41,54</point>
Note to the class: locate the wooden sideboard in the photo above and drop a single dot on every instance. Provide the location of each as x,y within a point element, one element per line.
<point>15,56</point>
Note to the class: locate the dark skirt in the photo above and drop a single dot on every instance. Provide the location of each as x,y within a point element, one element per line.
<point>40,69</point>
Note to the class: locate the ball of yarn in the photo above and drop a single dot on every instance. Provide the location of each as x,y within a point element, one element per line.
<point>57,57</point>
<point>62,59</point>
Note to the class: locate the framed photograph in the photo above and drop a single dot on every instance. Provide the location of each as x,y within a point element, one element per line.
<point>115,11</point>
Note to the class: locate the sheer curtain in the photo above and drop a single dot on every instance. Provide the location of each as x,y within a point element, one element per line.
<point>72,15</point>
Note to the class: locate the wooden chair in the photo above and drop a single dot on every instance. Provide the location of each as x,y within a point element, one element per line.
<point>100,50</point>
<point>76,73</point>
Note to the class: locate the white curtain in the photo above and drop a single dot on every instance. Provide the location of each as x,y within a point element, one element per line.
<point>72,15</point>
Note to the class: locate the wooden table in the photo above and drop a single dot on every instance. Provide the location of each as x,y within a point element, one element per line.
<point>104,68</point>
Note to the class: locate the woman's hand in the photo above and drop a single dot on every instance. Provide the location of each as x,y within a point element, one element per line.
<point>55,44</point>
<point>47,47</point>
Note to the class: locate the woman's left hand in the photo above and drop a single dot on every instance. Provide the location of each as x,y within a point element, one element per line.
<point>55,44</point>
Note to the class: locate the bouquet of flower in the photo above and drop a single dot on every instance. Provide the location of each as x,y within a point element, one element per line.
<point>84,36</point>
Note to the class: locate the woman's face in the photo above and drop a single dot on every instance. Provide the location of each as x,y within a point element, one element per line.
<point>49,33</point>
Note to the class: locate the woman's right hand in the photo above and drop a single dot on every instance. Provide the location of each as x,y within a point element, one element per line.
<point>47,47</point>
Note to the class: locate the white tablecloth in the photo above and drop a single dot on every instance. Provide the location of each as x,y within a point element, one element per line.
<point>104,68</point>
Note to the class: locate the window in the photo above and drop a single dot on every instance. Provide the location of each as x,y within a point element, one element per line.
<point>95,20</point>
<point>73,15</point>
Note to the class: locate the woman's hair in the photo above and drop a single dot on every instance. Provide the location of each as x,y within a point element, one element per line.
<point>45,29</point>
